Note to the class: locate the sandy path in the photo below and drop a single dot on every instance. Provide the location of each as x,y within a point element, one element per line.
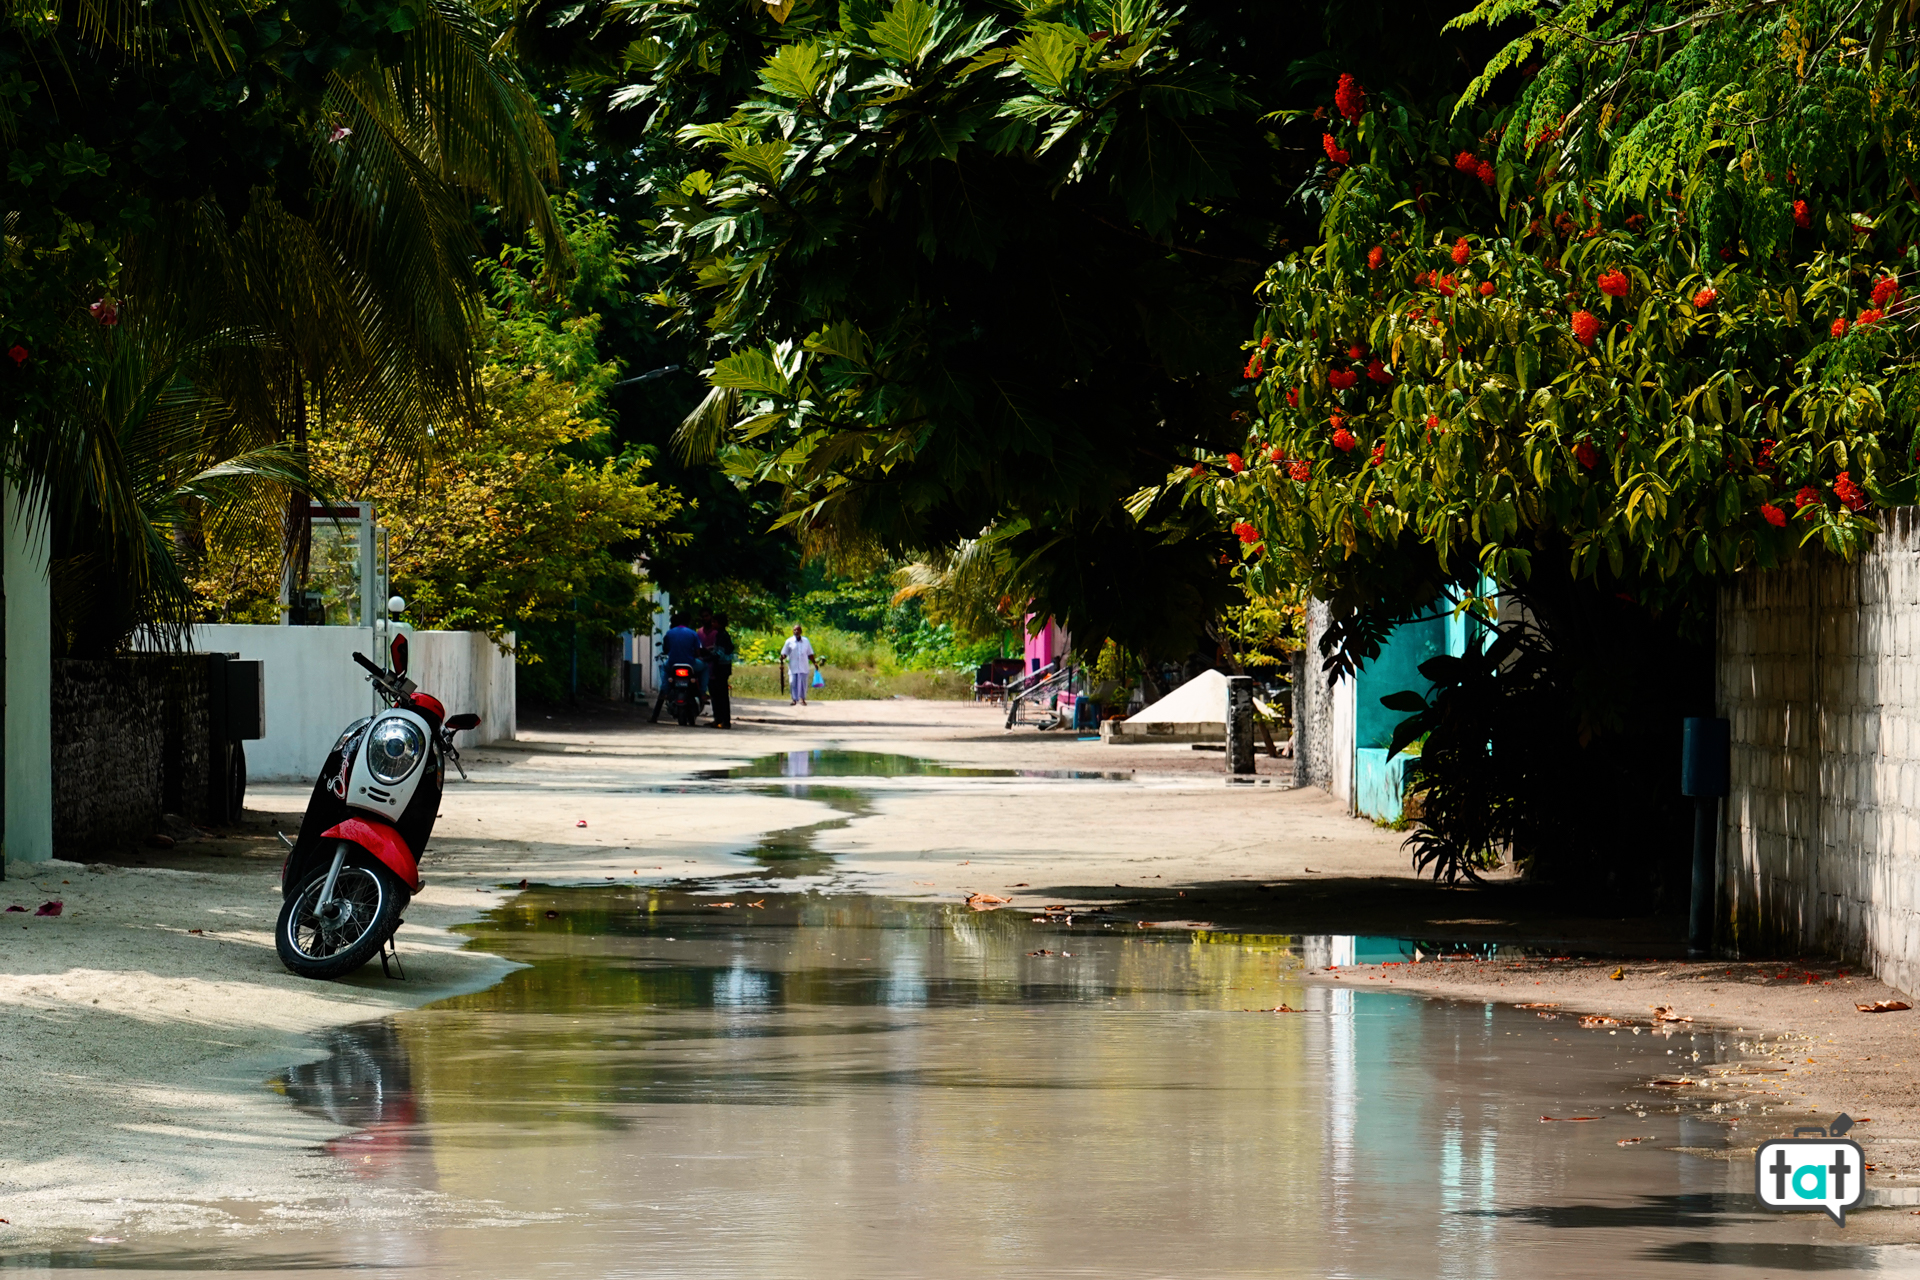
<point>132,1051</point>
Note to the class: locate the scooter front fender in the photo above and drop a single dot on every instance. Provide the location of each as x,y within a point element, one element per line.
<point>383,843</point>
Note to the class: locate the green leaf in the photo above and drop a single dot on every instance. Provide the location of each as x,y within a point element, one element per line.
<point>794,70</point>
<point>752,371</point>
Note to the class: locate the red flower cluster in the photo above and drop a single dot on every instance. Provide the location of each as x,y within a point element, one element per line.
<point>1235,463</point>
<point>1349,97</point>
<point>1377,257</point>
<point>1885,290</point>
<point>1586,455</point>
<point>1356,352</point>
<point>1245,532</point>
<point>1614,284</point>
<point>1807,497</point>
<point>1444,284</point>
<point>1839,329</point>
<point>1486,288</point>
<point>1341,379</point>
<point>1766,454</point>
<point>1343,439</point>
<point>1462,252</point>
<point>1335,152</point>
<point>1485,172</point>
<point>1424,279</point>
<point>1774,515</point>
<point>1300,469</point>
<point>17,353</point>
<point>1564,225</point>
<point>1255,366</point>
<point>1636,222</point>
<point>1379,454</point>
<point>1293,397</point>
<point>1279,456</point>
<point>1871,316</point>
<point>106,312</point>
<point>1802,216</point>
<point>1705,298</point>
<point>1199,469</point>
<point>1377,370</point>
<point>1433,422</point>
<point>1467,162</point>
<point>1586,327</point>
<point>1848,492</point>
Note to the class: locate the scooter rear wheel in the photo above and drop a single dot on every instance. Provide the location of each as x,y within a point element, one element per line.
<point>369,899</point>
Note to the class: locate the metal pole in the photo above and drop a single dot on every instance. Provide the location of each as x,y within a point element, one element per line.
<point>1240,725</point>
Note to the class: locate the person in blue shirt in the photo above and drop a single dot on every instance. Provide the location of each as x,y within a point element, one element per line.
<point>680,644</point>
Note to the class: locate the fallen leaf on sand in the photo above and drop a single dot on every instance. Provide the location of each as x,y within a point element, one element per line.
<point>1595,1020</point>
<point>16,907</point>
<point>1565,1119</point>
<point>1043,952</point>
<point>1634,1142</point>
<point>1665,1013</point>
<point>1279,1008</point>
<point>718,904</point>
<point>1022,885</point>
<point>1884,1006</point>
<point>762,904</point>
<point>523,884</point>
<point>1539,1004</point>
<point>201,932</point>
<point>54,908</point>
<point>1618,975</point>
<point>1546,1015</point>
<point>985,901</point>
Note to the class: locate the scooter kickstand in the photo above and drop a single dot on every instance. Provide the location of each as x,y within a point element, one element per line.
<point>391,952</point>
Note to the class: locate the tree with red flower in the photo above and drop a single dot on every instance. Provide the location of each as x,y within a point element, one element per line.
<point>1705,298</point>
<point>1839,329</point>
<point>1342,379</point>
<point>1848,492</point>
<point>1870,316</point>
<point>1300,469</point>
<point>1379,454</point>
<point>1445,285</point>
<point>17,353</point>
<point>1467,162</point>
<point>1614,283</point>
<point>1376,257</point>
<point>1343,439</point>
<point>1773,515</point>
<point>1802,216</point>
<point>1486,173</point>
<point>1462,252</point>
<point>1235,463</point>
<point>1586,327</point>
<point>1335,152</point>
<point>1293,397</point>
<point>1377,370</point>
<point>1586,455</point>
<point>1487,288</point>
<point>1807,497</point>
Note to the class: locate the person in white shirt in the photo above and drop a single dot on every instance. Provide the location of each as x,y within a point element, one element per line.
<point>797,656</point>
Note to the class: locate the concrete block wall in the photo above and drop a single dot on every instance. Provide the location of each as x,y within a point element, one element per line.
<point>131,743</point>
<point>1819,676</point>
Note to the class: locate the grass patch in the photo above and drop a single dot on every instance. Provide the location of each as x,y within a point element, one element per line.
<point>848,684</point>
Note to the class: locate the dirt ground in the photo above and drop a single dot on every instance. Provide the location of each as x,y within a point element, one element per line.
<point>137,1026</point>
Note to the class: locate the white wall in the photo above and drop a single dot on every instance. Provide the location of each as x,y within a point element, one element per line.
<point>29,685</point>
<point>315,689</point>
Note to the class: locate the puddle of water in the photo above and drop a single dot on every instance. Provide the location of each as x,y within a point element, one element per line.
<point>833,763</point>
<point>823,1086</point>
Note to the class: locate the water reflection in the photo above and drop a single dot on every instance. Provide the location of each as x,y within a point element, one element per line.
<point>834,763</point>
<point>812,1086</point>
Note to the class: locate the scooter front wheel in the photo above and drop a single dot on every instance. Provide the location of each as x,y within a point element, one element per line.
<point>331,939</point>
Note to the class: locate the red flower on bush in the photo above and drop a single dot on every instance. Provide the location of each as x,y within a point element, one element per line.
<point>1445,285</point>
<point>1356,352</point>
<point>1199,469</point>
<point>1802,216</point>
<point>106,312</point>
<point>1586,455</point>
<point>1293,397</point>
<point>1278,455</point>
<point>1255,367</point>
<point>1766,454</point>
<point>1870,316</point>
<point>1433,422</point>
<point>1235,463</point>
<point>1462,252</point>
<point>17,353</point>
<point>1377,257</point>
<point>1334,151</point>
<point>1848,492</point>
<point>1341,379</point>
<point>1705,298</point>
<point>1486,173</point>
<point>1885,290</point>
<point>1349,97</point>
<point>1774,515</point>
<point>1424,278</point>
<point>1467,162</point>
<point>1636,222</point>
<point>1614,283</point>
<point>1839,329</point>
<point>1586,327</point>
<point>1300,469</point>
<point>1379,454</point>
<point>1807,497</point>
<point>1377,370</point>
<point>1245,532</point>
<point>1486,288</point>
<point>1343,439</point>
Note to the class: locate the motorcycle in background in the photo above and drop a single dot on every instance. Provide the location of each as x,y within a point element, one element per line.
<point>356,863</point>
<point>683,692</point>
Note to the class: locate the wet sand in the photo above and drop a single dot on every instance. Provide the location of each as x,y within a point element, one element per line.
<point>132,1049</point>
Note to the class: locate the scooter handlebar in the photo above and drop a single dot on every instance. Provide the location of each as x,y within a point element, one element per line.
<point>362,659</point>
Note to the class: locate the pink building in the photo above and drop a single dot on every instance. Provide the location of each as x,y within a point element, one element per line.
<point>1046,644</point>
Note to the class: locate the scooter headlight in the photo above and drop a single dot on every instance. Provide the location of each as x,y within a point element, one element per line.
<point>394,748</point>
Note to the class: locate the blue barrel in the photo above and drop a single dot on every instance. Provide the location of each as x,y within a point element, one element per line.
<point>1086,715</point>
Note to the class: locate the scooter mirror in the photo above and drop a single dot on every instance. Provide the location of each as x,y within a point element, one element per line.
<point>465,720</point>
<point>399,651</point>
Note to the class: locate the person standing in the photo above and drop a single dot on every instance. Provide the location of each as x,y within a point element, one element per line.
<point>797,656</point>
<point>720,671</point>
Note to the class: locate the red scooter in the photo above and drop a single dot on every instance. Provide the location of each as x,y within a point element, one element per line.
<point>356,863</point>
